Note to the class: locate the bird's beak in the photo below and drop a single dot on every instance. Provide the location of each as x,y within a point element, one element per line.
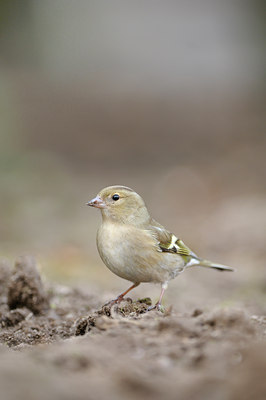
<point>96,202</point>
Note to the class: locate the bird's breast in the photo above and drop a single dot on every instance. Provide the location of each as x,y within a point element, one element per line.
<point>121,247</point>
<point>112,243</point>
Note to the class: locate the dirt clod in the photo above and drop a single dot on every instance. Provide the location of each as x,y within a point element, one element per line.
<point>13,317</point>
<point>25,288</point>
<point>101,318</point>
<point>125,308</point>
<point>83,325</point>
<point>197,312</point>
<point>146,300</point>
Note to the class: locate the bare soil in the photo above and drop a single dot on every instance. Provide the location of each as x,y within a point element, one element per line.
<point>58,342</point>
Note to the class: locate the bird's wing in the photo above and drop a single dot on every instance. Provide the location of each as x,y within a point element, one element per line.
<point>169,243</point>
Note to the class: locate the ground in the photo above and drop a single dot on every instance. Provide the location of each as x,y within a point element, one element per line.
<point>63,343</point>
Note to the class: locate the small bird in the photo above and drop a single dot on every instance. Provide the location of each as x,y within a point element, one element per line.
<point>136,247</point>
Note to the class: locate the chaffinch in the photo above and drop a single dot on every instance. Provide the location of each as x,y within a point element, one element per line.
<point>136,247</point>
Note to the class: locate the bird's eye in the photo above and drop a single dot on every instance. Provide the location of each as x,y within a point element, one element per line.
<point>116,197</point>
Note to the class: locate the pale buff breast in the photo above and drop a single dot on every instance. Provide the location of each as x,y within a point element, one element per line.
<point>133,254</point>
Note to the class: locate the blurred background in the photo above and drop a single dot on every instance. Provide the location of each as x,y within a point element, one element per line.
<point>164,97</point>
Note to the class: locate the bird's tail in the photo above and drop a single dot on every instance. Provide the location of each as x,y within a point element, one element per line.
<point>209,264</point>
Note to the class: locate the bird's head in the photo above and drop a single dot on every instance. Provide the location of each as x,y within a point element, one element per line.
<point>121,204</point>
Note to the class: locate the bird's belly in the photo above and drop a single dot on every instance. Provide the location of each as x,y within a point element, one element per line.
<point>135,258</point>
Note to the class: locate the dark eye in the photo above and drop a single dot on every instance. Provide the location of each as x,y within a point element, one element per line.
<point>116,197</point>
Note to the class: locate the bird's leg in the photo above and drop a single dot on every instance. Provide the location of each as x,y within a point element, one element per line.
<point>121,296</point>
<point>158,305</point>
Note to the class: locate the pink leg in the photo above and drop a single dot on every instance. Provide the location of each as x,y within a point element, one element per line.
<point>159,302</point>
<point>121,296</point>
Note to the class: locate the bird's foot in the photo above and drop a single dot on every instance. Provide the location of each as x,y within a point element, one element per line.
<point>110,303</point>
<point>157,307</point>
<point>115,301</point>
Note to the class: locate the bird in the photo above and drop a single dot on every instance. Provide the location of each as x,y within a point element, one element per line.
<point>136,247</point>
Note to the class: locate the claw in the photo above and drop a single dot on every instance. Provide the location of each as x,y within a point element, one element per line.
<point>115,301</point>
<point>157,307</point>
<point>121,296</point>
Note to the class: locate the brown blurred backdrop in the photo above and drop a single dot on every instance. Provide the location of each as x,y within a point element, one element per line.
<point>165,97</point>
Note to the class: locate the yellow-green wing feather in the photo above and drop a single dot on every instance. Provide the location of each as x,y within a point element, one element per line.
<point>170,243</point>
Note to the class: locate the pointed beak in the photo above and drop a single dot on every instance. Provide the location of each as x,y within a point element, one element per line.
<point>96,202</point>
